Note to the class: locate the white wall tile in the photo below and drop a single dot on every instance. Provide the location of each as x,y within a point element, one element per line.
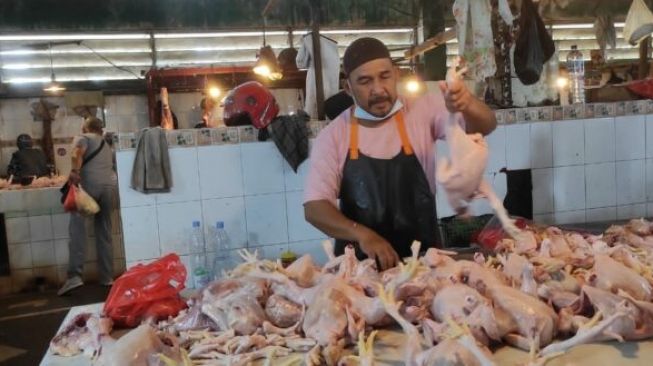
<point>267,221</point>
<point>542,190</point>
<point>649,136</point>
<point>599,140</point>
<point>601,214</point>
<point>570,217</point>
<point>541,145</point>
<point>17,230</point>
<point>569,188</point>
<point>43,253</point>
<point>544,219</point>
<point>443,209</point>
<point>232,212</point>
<point>630,137</point>
<point>22,279</point>
<point>60,224</point>
<point>649,210</point>
<point>601,185</point>
<point>15,109</point>
<point>497,144</point>
<point>220,169</point>
<point>262,168</point>
<point>569,143</point>
<point>140,233</point>
<point>481,206</point>
<point>631,177</point>
<point>312,247</point>
<point>40,228</point>
<point>126,104</point>
<point>20,256</point>
<point>61,251</point>
<point>298,228</point>
<point>175,223</point>
<point>185,177</point>
<point>128,196</point>
<point>295,181</point>
<point>649,180</point>
<point>48,273</point>
<point>518,151</point>
<point>272,252</point>
<point>631,211</point>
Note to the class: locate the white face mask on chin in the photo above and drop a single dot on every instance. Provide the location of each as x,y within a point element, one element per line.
<point>360,113</point>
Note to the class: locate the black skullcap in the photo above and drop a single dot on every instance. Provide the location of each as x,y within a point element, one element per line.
<point>361,51</point>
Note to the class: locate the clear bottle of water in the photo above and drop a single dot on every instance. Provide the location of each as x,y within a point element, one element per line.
<point>576,69</point>
<point>199,272</point>
<point>223,259</point>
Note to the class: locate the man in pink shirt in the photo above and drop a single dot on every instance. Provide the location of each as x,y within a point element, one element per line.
<point>377,158</point>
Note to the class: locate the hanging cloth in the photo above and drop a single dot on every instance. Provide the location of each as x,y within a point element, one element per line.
<point>639,22</point>
<point>475,38</point>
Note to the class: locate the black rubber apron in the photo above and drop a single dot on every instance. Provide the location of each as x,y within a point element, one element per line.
<point>390,196</point>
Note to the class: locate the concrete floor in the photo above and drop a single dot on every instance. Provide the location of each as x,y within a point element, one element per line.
<point>28,321</point>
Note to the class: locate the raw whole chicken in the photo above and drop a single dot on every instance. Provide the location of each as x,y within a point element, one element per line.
<point>462,175</point>
<point>546,291</point>
<point>83,334</point>
<point>142,346</point>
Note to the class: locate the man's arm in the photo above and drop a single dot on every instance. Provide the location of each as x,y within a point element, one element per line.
<point>327,218</point>
<point>479,118</point>
<point>76,158</point>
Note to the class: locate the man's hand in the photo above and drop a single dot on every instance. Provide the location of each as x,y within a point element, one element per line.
<point>458,98</point>
<point>375,247</point>
<point>74,177</point>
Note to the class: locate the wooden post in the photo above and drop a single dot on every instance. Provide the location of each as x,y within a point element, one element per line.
<point>46,141</point>
<point>643,58</point>
<point>317,57</point>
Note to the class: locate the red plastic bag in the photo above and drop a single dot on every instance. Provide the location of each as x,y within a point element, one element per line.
<point>493,232</point>
<point>70,203</point>
<point>147,291</point>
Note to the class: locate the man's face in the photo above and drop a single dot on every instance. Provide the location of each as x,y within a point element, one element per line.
<point>374,86</point>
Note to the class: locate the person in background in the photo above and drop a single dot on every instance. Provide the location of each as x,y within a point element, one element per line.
<point>27,161</point>
<point>378,158</point>
<point>92,166</point>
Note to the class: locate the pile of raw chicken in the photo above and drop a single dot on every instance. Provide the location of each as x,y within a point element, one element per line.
<point>42,182</point>
<point>544,292</point>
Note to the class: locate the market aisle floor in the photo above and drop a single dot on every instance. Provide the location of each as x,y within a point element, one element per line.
<point>29,321</point>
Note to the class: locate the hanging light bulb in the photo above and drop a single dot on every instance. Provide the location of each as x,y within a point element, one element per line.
<point>267,65</point>
<point>53,87</point>
<point>214,92</point>
<point>413,84</point>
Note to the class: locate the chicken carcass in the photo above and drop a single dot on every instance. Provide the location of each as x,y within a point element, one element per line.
<point>611,275</point>
<point>142,346</point>
<point>84,334</point>
<point>462,176</point>
<point>464,304</point>
<point>235,303</point>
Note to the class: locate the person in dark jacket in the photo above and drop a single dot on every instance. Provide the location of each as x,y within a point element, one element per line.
<point>27,161</point>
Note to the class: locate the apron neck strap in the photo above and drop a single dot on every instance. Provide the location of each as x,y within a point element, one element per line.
<point>401,127</point>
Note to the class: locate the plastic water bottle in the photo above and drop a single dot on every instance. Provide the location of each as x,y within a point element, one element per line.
<point>200,273</point>
<point>576,68</point>
<point>223,260</point>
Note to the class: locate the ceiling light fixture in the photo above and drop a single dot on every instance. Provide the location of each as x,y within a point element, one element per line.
<point>53,87</point>
<point>266,64</point>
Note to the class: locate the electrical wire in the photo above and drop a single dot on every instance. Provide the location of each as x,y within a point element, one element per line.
<point>81,43</point>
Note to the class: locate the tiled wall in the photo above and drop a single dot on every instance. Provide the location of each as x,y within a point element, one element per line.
<point>122,113</point>
<point>595,169</point>
<point>38,240</point>
<point>248,186</point>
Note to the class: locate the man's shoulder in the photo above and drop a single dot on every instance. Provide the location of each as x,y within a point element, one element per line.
<point>335,128</point>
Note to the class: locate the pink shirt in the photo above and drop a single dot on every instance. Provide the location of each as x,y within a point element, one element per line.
<point>425,118</point>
